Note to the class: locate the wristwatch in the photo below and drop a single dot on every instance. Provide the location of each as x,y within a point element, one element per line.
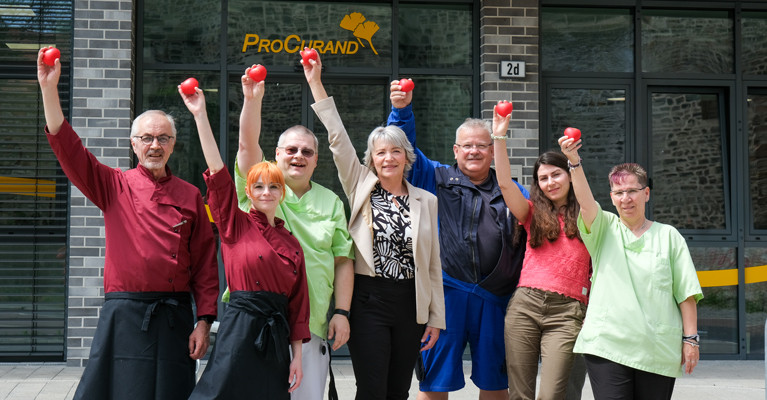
<point>341,311</point>
<point>207,318</point>
<point>695,338</point>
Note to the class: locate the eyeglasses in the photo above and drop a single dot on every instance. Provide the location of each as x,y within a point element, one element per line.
<point>292,150</point>
<point>631,192</point>
<point>149,139</point>
<point>480,147</point>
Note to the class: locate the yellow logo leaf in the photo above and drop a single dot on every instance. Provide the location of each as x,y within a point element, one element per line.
<point>361,28</point>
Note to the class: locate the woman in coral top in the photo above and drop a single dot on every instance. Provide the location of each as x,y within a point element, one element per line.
<point>269,303</point>
<point>546,312</point>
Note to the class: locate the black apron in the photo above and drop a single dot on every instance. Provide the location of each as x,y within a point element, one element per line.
<point>141,349</point>
<point>251,358</point>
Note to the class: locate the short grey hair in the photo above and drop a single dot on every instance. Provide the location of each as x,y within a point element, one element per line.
<point>473,123</point>
<point>134,127</point>
<point>393,135</point>
<point>301,130</point>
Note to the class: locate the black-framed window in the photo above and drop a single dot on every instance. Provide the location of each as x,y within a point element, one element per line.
<point>33,189</point>
<point>367,43</point>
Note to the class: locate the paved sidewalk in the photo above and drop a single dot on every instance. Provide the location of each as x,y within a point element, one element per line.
<point>712,380</point>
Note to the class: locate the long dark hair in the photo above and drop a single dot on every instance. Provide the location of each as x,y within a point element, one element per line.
<point>545,223</point>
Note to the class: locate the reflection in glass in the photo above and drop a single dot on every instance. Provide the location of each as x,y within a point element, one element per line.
<point>361,108</point>
<point>33,227</point>
<point>754,43</point>
<point>601,115</point>
<point>437,36</point>
<point>26,25</point>
<point>757,158</point>
<point>183,32</point>
<point>273,32</point>
<point>718,311</point>
<point>756,304</point>
<point>687,161</point>
<point>687,41</point>
<point>161,93</point>
<point>281,109</point>
<point>588,40</point>
<point>440,105</point>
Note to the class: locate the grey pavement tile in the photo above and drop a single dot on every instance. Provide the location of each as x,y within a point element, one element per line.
<point>25,391</point>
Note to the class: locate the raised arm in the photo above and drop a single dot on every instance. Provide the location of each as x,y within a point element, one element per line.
<point>313,72</point>
<point>581,187</point>
<point>48,77</point>
<point>196,104</point>
<point>249,151</point>
<point>344,155</point>
<point>512,195</point>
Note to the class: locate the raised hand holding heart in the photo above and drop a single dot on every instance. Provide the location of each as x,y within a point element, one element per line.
<point>504,108</point>
<point>309,54</point>
<point>406,85</point>
<point>188,86</point>
<point>573,133</point>
<point>50,55</point>
<point>257,73</point>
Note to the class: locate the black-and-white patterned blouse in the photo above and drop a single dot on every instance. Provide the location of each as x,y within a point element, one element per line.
<point>392,235</point>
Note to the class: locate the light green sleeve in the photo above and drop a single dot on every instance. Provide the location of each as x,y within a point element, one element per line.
<point>342,245</point>
<point>242,199</point>
<point>685,276</point>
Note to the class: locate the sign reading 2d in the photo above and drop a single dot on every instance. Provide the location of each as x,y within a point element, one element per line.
<point>354,22</point>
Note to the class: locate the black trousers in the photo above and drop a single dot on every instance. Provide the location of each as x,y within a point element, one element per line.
<point>610,380</point>
<point>386,339</point>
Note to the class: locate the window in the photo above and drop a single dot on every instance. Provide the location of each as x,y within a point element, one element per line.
<point>33,190</point>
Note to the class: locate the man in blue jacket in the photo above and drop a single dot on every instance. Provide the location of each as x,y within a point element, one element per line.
<point>481,254</point>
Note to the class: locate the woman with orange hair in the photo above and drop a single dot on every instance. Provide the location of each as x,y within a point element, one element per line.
<point>264,265</point>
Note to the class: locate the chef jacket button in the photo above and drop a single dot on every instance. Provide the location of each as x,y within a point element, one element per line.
<point>170,280</point>
<point>295,272</point>
<point>173,255</point>
<point>260,256</point>
<point>258,283</point>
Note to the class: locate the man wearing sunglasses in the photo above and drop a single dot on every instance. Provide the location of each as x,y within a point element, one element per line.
<point>316,217</point>
<point>160,252</point>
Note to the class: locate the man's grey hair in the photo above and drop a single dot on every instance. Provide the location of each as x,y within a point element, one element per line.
<point>471,124</point>
<point>394,136</point>
<point>134,127</point>
<point>301,130</point>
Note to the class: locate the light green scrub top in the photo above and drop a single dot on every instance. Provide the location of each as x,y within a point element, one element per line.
<point>318,221</point>
<point>633,317</point>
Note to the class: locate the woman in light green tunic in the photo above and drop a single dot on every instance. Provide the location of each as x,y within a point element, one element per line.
<point>641,324</point>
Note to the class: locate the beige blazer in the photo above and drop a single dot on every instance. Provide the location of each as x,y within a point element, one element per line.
<point>358,182</point>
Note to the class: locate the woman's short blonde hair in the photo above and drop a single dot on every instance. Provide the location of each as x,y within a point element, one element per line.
<point>393,135</point>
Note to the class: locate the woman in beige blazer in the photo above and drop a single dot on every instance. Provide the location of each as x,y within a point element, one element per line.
<point>398,305</point>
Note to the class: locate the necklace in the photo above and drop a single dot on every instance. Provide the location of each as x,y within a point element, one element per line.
<point>641,228</point>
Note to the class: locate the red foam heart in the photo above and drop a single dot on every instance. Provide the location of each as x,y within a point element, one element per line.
<point>504,108</point>
<point>257,73</point>
<point>573,133</point>
<point>406,84</point>
<point>309,54</point>
<point>50,55</point>
<point>188,86</point>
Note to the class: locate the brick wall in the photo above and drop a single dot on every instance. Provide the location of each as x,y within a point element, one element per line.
<point>509,31</point>
<point>101,115</point>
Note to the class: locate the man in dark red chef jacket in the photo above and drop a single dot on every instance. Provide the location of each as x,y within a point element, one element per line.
<point>160,252</point>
